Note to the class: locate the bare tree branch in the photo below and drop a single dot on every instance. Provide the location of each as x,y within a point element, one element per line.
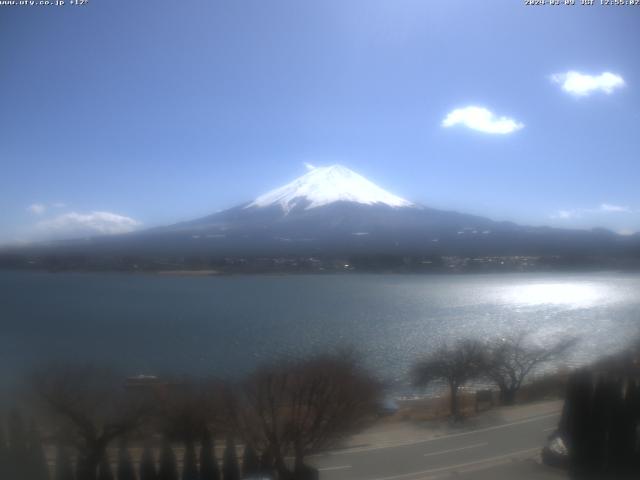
<point>511,360</point>
<point>455,365</point>
<point>302,408</point>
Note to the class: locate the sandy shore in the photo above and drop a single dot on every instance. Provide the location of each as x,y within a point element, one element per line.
<point>189,273</point>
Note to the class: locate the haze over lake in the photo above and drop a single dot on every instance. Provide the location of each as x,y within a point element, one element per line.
<point>225,326</point>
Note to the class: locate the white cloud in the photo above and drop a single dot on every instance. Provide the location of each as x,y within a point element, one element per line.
<point>582,85</point>
<point>40,208</point>
<point>86,224</point>
<point>37,208</point>
<point>603,208</point>
<point>481,119</point>
<point>309,166</point>
<point>565,214</point>
<point>608,207</point>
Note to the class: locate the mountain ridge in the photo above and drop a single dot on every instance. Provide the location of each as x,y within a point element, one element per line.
<point>335,212</point>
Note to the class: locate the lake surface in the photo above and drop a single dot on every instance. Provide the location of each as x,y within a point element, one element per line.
<point>227,325</point>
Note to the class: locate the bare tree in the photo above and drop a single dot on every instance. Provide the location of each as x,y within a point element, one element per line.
<point>455,365</point>
<point>191,407</point>
<point>302,408</point>
<point>510,360</point>
<point>89,405</point>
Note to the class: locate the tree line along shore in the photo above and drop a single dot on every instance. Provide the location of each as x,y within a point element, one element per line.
<point>86,422</point>
<point>91,423</point>
<point>254,264</point>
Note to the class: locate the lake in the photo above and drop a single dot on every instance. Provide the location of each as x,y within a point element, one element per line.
<point>227,325</point>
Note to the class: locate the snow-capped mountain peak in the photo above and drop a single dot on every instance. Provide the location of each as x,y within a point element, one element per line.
<point>324,185</point>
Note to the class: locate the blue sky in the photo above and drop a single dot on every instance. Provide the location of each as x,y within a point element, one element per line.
<point>119,114</point>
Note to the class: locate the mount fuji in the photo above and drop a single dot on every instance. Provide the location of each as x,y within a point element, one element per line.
<point>325,185</point>
<point>334,211</point>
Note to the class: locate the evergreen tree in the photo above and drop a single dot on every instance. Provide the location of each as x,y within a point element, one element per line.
<point>598,426</point>
<point>125,463</point>
<point>622,431</point>
<point>633,399</point>
<point>63,469</point>
<point>104,469</point>
<point>37,463</point>
<point>230,469</point>
<point>168,467</point>
<point>18,448</point>
<point>266,463</point>
<point>4,455</point>
<point>189,463</point>
<point>250,461</point>
<point>148,465</point>
<point>208,464</point>
<point>84,471</point>
<point>575,421</point>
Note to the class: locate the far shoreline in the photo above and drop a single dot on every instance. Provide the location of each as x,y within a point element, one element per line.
<point>209,273</point>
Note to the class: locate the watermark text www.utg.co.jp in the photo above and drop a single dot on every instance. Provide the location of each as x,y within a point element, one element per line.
<point>43,3</point>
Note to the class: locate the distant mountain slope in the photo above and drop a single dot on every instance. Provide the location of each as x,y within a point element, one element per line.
<point>335,211</point>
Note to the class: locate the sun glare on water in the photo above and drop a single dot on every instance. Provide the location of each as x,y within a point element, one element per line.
<point>575,295</point>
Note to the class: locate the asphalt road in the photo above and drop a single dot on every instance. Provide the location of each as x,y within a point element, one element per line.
<point>501,448</point>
